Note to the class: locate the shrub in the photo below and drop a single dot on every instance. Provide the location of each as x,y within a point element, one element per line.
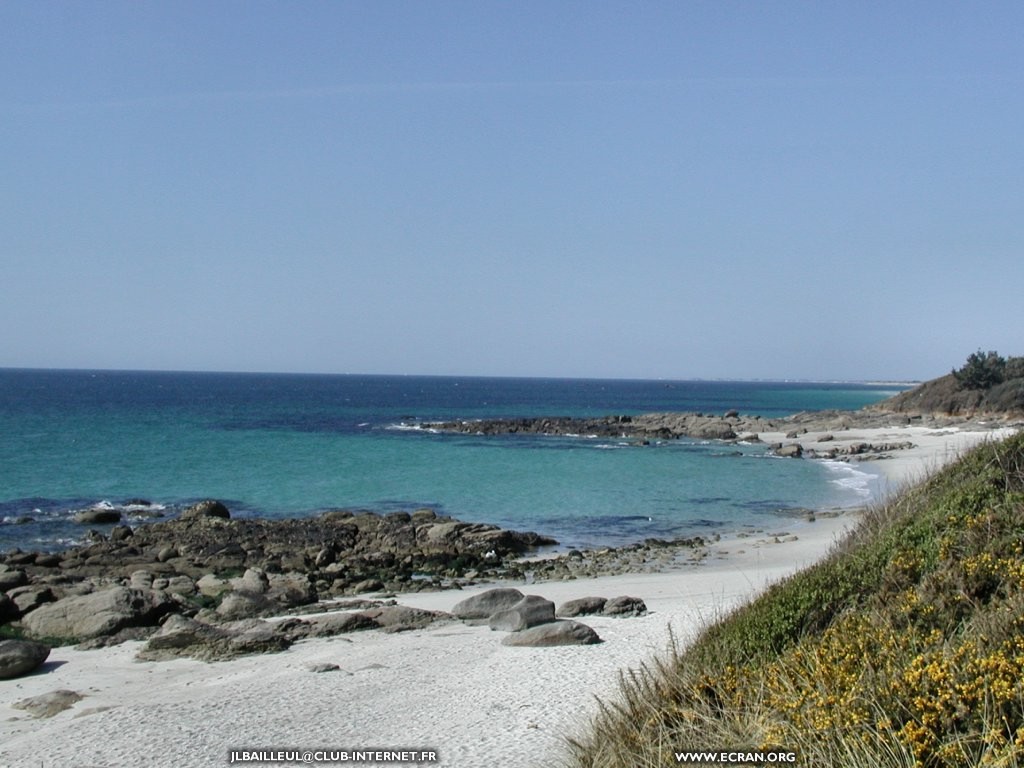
<point>982,370</point>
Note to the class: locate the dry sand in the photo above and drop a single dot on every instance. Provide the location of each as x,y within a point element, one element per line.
<point>452,688</point>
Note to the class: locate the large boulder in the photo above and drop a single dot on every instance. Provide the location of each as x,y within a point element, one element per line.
<point>561,632</point>
<point>581,606</point>
<point>19,657</point>
<point>96,614</point>
<point>485,604</point>
<point>531,611</point>
<point>625,606</point>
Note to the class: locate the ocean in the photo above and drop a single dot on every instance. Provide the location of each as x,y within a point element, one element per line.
<point>287,445</point>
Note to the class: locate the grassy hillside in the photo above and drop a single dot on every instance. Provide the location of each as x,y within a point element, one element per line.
<point>905,647</point>
<point>953,395</point>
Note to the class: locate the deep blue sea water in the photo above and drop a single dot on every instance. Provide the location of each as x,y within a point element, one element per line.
<point>290,445</point>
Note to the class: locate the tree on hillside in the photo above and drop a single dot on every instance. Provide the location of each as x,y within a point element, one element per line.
<point>981,371</point>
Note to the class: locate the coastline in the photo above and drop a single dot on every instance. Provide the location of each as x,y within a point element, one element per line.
<point>452,687</point>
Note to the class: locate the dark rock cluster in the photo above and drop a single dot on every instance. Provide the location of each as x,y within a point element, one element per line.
<point>211,570</point>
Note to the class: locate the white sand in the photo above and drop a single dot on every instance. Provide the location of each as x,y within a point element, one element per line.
<point>452,688</point>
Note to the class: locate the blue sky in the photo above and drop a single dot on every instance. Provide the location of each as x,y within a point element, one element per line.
<point>622,189</point>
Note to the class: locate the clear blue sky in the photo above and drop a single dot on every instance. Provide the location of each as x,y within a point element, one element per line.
<point>623,189</point>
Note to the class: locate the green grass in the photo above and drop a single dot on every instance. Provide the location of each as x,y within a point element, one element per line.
<point>904,647</point>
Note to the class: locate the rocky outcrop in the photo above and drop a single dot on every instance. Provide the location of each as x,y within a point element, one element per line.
<point>731,426</point>
<point>20,657</point>
<point>340,552</point>
<point>180,636</point>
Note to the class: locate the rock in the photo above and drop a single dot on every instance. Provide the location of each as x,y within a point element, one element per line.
<point>208,508</point>
<point>261,637</point>
<point>19,657</point>
<point>29,598</point>
<point>9,610</point>
<point>167,553</point>
<point>368,585</point>
<point>47,559</point>
<point>560,632</point>
<point>141,579</point>
<point>400,618</point>
<point>177,633</point>
<point>99,613</point>
<point>180,637</point>
<point>714,429</point>
<point>789,451</point>
<point>531,611</point>
<point>180,585</point>
<point>254,581</point>
<point>625,606</point>
<point>332,624</point>
<point>12,579</point>
<point>97,516</point>
<point>49,704</point>
<point>121,636</point>
<point>485,604</point>
<point>121,533</point>
<point>581,606</point>
<point>291,589</point>
<point>245,605</point>
<point>212,586</point>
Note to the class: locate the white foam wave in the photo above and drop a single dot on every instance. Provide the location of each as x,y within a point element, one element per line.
<point>850,478</point>
<point>406,427</point>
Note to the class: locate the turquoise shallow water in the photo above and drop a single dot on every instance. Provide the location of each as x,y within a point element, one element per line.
<point>287,445</point>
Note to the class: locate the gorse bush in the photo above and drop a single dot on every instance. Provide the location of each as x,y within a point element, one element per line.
<point>905,647</point>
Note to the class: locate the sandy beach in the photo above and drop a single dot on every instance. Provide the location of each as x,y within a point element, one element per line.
<point>453,688</point>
